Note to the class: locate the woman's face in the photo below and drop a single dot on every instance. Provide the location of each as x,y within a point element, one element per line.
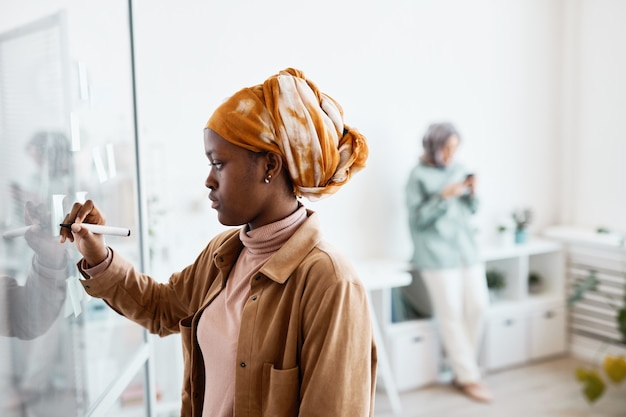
<point>449,149</point>
<point>238,192</point>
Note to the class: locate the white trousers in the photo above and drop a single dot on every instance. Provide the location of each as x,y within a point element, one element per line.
<point>460,300</point>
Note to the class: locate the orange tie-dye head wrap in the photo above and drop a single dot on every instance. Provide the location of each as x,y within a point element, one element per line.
<point>288,115</point>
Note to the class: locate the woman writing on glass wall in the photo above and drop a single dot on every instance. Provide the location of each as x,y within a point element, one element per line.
<point>273,319</point>
<point>441,199</point>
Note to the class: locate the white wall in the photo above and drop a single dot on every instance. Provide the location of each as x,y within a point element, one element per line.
<point>493,69</point>
<point>593,142</point>
<point>535,87</point>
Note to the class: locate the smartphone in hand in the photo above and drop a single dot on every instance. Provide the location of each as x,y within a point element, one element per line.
<point>469,183</point>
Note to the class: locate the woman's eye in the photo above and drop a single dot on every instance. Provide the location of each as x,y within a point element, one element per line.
<point>216,164</point>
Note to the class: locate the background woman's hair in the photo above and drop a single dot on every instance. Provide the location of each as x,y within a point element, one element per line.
<point>54,149</point>
<point>434,140</point>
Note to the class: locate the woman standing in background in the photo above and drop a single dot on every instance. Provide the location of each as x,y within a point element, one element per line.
<point>441,199</point>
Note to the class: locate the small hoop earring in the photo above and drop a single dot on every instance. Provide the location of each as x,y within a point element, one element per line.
<point>267,179</point>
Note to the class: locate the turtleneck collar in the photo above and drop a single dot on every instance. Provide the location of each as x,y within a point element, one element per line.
<point>271,237</point>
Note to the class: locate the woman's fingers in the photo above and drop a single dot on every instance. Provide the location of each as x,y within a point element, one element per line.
<point>86,212</point>
<point>65,233</point>
<point>90,245</point>
<point>89,213</point>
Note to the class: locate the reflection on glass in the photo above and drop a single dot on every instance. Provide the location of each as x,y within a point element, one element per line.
<point>133,401</point>
<point>30,309</point>
<point>66,134</point>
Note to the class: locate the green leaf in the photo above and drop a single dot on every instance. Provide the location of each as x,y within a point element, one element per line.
<point>593,386</point>
<point>615,368</point>
<point>581,374</point>
<point>621,322</point>
<point>590,283</point>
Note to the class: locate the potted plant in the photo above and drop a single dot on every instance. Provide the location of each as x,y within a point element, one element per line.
<point>496,282</point>
<point>505,233</point>
<point>522,219</point>
<point>535,281</point>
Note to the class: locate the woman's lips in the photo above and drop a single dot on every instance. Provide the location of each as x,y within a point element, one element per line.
<point>214,202</point>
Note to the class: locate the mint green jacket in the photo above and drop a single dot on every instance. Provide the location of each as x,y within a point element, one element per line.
<point>441,230</point>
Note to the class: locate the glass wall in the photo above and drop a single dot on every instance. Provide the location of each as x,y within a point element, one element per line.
<point>67,133</point>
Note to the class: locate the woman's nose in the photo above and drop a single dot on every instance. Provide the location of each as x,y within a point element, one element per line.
<point>209,183</point>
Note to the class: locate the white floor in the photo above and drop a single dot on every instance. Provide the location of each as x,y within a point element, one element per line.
<point>546,389</point>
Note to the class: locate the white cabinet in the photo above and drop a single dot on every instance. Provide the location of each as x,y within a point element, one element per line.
<point>522,326</point>
<point>505,340</point>
<point>413,346</point>
<point>519,332</point>
<point>414,353</point>
<point>541,257</point>
<point>525,326</point>
<point>547,331</point>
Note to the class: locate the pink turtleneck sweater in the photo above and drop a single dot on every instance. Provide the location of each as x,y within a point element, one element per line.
<point>218,328</point>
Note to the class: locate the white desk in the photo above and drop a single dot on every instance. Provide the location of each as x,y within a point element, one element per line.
<point>383,275</point>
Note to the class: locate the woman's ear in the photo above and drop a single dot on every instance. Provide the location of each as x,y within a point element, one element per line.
<point>273,165</point>
<point>276,172</point>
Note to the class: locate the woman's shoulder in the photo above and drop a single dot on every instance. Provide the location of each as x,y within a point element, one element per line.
<point>425,170</point>
<point>328,263</point>
<point>419,168</point>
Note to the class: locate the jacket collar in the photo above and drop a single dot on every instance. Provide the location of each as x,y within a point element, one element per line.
<point>282,264</point>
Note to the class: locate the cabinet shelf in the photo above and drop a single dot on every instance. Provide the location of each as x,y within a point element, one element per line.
<point>517,262</point>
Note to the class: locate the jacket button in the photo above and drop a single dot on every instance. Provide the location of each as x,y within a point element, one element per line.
<point>254,297</point>
<point>242,364</point>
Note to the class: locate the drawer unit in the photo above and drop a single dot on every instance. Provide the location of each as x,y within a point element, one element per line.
<point>506,340</point>
<point>547,331</point>
<point>414,353</point>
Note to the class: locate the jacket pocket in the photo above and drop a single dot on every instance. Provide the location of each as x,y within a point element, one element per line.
<point>185,334</point>
<point>281,391</point>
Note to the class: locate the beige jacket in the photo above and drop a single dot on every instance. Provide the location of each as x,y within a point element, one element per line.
<point>305,345</point>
